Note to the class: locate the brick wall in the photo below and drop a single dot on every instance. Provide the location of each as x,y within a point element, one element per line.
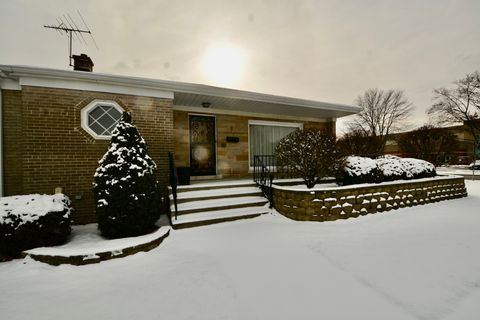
<point>12,135</point>
<point>45,146</point>
<point>232,158</point>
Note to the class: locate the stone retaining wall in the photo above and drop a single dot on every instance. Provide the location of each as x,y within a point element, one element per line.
<point>353,201</point>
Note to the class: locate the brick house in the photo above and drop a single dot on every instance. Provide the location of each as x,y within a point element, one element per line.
<point>465,152</point>
<point>55,126</point>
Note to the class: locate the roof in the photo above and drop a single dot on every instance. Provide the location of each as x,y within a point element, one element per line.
<point>183,94</point>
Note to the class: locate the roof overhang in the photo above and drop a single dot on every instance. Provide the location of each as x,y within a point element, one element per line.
<point>183,94</point>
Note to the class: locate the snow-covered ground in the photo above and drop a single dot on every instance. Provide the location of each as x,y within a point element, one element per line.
<point>414,263</point>
<point>87,241</point>
<point>461,170</point>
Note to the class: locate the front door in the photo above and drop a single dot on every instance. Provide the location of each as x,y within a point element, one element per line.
<point>202,145</point>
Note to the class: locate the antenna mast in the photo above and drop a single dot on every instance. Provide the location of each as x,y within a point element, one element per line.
<point>67,26</point>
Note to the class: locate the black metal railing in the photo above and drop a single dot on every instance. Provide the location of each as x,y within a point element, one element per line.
<point>172,175</point>
<point>263,166</point>
<point>270,163</point>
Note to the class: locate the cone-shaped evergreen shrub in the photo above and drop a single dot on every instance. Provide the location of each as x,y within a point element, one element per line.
<point>125,188</point>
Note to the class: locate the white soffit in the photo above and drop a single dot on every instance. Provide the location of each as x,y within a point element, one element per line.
<point>299,108</point>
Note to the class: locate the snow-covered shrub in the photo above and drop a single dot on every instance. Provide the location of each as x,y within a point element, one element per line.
<point>310,154</point>
<point>125,189</point>
<point>31,221</point>
<point>359,170</point>
<point>416,168</point>
<point>385,168</point>
<point>391,167</point>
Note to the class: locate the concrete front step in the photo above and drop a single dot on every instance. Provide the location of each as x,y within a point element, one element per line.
<point>219,204</point>
<point>211,217</point>
<point>217,201</point>
<point>221,184</point>
<point>208,194</point>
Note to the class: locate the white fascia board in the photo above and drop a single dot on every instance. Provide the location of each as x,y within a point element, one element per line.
<point>80,80</point>
<point>169,86</point>
<point>9,84</point>
<point>97,86</point>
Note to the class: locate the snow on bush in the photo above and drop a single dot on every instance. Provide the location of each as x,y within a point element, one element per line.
<point>359,165</point>
<point>416,168</point>
<point>126,191</point>
<point>31,221</point>
<point>385,168</point>
<point>391,167</point>
<point>359,170</point>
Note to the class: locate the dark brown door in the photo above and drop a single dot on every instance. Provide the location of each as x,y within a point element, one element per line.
<point>202,145</point>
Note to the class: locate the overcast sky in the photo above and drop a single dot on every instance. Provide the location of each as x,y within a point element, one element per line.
<point>323,50</point>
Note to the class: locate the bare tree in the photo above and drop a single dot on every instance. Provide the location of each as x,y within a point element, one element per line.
<point>383,112</point>
<point>459,104</point>
<point>357,143</point>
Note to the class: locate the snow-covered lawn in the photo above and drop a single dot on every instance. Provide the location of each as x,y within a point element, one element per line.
<point>461,170</point>
<point>413,263</point>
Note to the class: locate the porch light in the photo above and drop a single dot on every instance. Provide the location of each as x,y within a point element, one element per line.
<point>206,104</point>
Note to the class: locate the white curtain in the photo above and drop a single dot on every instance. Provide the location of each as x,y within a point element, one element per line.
<point>264,139</point>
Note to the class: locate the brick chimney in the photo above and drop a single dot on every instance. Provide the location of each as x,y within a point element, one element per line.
<point>82,63</point>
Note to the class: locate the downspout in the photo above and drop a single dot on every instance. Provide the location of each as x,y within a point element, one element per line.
<point>1,144</point>
<point>2,76</point>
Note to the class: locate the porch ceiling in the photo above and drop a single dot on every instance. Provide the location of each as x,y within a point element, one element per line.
<point>265,104</point>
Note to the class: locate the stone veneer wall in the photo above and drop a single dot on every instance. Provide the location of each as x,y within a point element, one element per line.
<point>353,201</point>
<point>232,158</point>
<point>45,146</point>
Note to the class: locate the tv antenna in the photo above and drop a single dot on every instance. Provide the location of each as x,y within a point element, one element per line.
<point>67,26</point>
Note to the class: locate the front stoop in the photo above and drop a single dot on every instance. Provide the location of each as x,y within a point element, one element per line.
<point>216,202</point>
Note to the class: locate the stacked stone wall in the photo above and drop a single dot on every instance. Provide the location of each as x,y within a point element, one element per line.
<point>348,202</point>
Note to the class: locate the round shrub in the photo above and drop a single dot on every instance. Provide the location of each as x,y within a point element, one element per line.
<point>391,168</point>
<point>32,221</point>
<point>310,154</point>
<point>359,170</point>
<point>125,189</point>
<point>416,168</point>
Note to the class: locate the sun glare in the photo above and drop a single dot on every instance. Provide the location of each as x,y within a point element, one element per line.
<point>224,64</point>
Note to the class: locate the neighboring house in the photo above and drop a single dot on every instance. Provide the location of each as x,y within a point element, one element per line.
<point>56,125</point>
<point>465,152</point>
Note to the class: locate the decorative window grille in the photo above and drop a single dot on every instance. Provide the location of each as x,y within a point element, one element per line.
<point>100,118</point>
